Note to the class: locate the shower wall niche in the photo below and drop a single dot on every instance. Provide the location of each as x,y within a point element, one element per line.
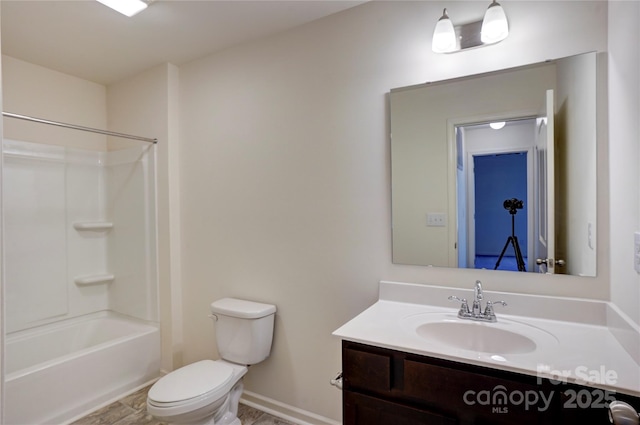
<point>79,233</point>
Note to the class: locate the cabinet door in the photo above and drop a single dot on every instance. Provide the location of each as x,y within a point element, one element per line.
<point>363,410</point>
<point>480,398</point>
<point>367,370</point>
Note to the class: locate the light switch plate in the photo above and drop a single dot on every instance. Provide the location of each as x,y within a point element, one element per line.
<point>436,219</point>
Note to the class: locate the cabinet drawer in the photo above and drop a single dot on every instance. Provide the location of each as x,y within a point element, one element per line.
<point>366,370</point>
<point>363,410</point>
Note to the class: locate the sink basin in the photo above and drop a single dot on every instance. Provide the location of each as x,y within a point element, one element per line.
<point>503,337</point>
<point>476,336</point>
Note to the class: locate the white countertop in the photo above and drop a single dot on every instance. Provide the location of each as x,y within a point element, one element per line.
<point>584,351</point>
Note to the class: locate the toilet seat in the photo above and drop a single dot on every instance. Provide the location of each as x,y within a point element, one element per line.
<point>192,387</point>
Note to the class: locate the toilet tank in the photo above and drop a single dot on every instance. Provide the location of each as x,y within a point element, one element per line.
<point>244,329</point>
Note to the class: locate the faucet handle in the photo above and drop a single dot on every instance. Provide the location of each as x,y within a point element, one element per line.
<point>488,311</point>
<point>464,308</point>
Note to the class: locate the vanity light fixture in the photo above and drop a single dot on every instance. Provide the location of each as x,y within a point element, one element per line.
<point>448,38</point>
<point>494,25</point>
<point>444,35</point>
<point>126,7</point>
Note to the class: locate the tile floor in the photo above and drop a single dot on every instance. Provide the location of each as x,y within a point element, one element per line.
<point>131,410</point>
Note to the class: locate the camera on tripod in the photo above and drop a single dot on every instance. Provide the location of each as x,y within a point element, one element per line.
<point>513,204</point>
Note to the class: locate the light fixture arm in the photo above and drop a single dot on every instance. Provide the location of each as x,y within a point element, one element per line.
<point>444,14</point>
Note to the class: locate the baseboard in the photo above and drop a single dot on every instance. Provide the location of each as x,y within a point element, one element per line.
<point>284,411</point>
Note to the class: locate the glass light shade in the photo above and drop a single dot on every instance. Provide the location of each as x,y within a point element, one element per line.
<point>497,125</point>
<point>494,25</point>
<point>126,7</point>
<point>444,35</point>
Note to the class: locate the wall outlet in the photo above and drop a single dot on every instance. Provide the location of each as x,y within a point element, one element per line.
<point>436,219</point>
<point>636,251</point>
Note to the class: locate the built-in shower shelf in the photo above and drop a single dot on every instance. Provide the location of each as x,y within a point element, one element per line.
<point>95,226</point>
<point>94,279</point>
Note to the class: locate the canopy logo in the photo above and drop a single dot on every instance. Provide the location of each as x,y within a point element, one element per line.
<point>500,399</point>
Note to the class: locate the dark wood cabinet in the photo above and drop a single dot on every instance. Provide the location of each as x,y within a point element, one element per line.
<point>388,387</point>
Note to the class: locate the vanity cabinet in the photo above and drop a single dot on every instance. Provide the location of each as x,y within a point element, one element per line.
<point>388,387</point>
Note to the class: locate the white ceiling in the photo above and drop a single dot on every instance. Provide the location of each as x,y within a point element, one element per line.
<point>88,40</point>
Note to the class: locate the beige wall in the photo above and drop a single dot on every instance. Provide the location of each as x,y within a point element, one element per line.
<point>285,180</point>
<point>146,105</point>
<point>624,152</point>
<point>43,93</point>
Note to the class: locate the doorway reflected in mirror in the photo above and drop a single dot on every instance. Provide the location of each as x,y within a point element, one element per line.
<point>494,168</point>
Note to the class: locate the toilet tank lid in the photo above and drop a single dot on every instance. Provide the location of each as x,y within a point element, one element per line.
<point>242,309</point>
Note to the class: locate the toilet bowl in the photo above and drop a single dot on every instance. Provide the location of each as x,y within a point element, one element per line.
<point>195,393</point>
<point>208,392</point>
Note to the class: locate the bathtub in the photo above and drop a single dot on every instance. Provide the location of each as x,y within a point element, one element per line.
<point>58,371</point>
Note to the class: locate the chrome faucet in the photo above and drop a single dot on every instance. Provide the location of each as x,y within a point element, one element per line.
<point>476,313</point>
<point>476,309</point>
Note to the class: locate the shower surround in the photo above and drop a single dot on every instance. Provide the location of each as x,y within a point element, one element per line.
<point>80,245</point>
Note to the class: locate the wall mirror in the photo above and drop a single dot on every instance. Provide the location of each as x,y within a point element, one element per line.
<point>498,171</point>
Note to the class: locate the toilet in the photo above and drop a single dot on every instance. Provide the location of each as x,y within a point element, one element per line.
<point>207,392</point>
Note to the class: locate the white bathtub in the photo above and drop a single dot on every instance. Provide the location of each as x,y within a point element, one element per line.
<point>58,371</point>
